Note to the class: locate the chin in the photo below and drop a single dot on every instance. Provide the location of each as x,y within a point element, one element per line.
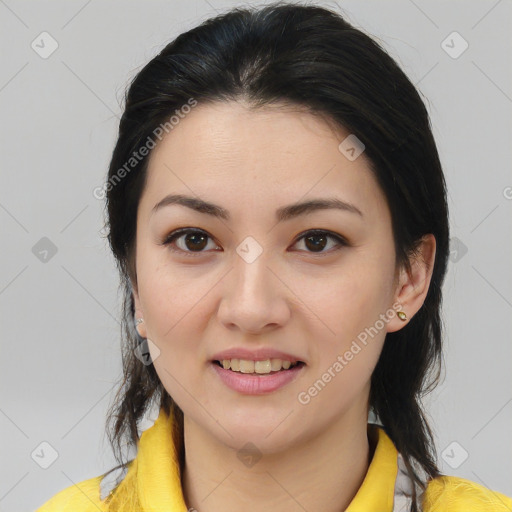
<point>267,433</point>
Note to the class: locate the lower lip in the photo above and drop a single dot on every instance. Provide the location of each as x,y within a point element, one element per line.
<point>257,384</point>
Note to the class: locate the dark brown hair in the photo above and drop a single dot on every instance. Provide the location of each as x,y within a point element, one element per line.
<point>310,57</point>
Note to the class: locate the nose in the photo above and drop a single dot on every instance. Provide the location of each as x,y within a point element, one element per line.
<point>254,299</point>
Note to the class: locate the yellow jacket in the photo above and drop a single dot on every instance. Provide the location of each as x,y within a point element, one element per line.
<point>151,483</point>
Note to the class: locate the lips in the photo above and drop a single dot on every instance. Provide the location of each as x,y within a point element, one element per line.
<point>253,384</point>
<point>260,354</point>
<point>265,367</point>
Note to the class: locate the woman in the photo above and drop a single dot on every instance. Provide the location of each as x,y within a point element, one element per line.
<point>277,209</point>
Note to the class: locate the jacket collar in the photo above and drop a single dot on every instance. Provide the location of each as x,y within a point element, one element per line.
<point>159,483</point>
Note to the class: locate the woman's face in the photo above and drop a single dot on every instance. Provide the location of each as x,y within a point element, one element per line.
<point>250,280</point>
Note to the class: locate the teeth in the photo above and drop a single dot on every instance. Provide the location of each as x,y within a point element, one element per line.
<point>261,367</point>
<point>246,366</point>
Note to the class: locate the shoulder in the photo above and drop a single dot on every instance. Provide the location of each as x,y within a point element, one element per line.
<point>83,496</point>
<point>454,494</point>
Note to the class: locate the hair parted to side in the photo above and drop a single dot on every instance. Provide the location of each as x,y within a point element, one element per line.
<point>309,57</point>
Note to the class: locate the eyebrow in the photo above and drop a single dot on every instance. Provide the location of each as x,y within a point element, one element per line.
<point>282,214</point>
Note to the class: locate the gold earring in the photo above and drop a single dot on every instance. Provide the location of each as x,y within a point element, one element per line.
<point>402,316</point>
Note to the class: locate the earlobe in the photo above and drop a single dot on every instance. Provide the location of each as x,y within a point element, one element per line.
<point>141,328</point>
<point>139,324</point>
<point>413,287</point>
<point>139,315</point>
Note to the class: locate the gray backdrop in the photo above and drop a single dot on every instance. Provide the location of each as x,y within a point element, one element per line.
<point>60,356</point>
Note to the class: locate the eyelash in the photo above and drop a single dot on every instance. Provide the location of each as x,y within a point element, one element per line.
<point>178,233</point>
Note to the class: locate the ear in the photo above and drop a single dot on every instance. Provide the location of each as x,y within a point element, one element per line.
<point>412,288</point>
<point>139,313</point>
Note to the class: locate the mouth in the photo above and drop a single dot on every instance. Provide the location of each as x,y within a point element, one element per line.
<point>257,377</point>
<point>259,368</point>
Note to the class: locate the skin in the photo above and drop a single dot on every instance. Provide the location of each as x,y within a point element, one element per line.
<point>309,304</point>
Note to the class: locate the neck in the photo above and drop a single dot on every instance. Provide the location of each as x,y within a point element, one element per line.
<point>324,473</point>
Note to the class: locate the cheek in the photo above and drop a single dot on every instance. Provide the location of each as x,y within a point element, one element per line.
<point>355,296</point>
<point>175,332</point>
<point>351,304</point>
<point>170,294</point>
<point>346,357</point>
<point>174,314</point>
<point>173,304</point>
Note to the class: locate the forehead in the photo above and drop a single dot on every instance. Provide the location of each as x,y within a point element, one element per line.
<point>232,154</point>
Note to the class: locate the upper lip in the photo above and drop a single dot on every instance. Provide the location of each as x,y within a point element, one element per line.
<point>260,354</point>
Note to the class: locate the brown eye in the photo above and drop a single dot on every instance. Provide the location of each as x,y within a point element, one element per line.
<point>197,241</point>
<point>192,242</point>
<point>188,241</point>
<point>316,241</point>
